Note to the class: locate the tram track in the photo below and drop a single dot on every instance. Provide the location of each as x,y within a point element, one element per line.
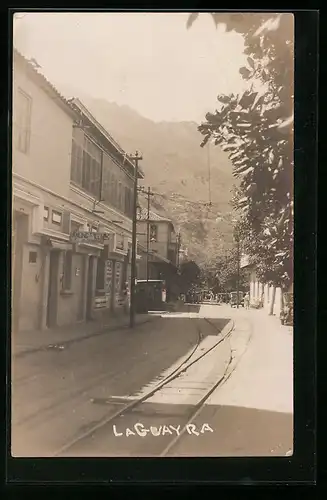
<point>200,405</point>
<point>57,405</point>
<point>181,369</point>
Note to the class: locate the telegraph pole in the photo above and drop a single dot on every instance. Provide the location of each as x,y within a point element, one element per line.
<point>137,157</point>
<point>148,234</point>
<point>238,269</point>
<point>178,248</point>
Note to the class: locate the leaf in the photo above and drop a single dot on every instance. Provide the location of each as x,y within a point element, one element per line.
<point>224,99</point>
<point>247,101</point>
<point>250,61</point>
<point>244,170</point>
<point>233,156</point>
<point>204,142</point>
<point>192,17</point>
<point>245,73</point>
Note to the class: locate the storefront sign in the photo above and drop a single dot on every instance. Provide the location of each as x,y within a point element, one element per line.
<point>118,278</point>
<point>87,236</point>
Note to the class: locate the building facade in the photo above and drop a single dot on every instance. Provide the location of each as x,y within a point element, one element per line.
<point>163,256</point>
<point>71,183</point>
<point>262,294</point>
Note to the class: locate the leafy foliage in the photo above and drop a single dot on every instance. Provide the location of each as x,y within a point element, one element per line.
<point>221,275</point>
<point>251,129</point>
<point>190,275</point>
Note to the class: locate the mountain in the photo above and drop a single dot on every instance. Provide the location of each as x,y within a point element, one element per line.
<point>177,169</point>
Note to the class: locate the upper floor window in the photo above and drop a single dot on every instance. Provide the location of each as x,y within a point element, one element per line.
<point>77,157</point>
<point>153,232</point>
<point>86,163</point>
<point>107,179</point>
<point>87,160</point>
<point>91,167</point>
<point>127,204</point>
<point>23,107</point>
<point>121,197</point>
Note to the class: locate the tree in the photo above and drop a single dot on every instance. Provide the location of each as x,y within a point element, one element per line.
<point>269,44</point>
<point>251,128</point>
<point>222,273</point>
<point>190,275</point>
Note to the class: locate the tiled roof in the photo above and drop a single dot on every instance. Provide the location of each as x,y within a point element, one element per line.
<point>143,215</point>
<point>44,82</point>
<point>73,106</point>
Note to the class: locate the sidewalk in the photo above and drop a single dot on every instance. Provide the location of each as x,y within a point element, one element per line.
<point>57,338</point>
<point>264,375</point>
<point>252,413</point>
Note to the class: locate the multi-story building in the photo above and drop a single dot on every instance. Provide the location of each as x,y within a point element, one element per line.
<point>68,175</point>
<point>163,248</point>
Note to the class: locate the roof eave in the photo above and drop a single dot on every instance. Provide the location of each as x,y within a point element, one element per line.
<point>80,106</point>
<point>44,83</point>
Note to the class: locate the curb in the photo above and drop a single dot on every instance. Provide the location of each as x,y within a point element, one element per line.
<point>61,345</point>
<point>228,328</point>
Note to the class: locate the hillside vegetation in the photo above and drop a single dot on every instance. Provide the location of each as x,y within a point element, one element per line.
<point>177,169</point>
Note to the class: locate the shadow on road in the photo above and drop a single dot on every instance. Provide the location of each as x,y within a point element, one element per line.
<point>190,308</point>
<point>224,431</point>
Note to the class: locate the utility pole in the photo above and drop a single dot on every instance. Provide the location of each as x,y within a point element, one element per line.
<point>137,157</point>
<point>178,248</point>
<point>238,269</point>
<point>148,194</point>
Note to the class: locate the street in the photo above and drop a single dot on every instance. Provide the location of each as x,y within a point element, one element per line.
<point>208,380</point>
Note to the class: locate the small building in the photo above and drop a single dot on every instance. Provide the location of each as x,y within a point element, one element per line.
<point>261,294</point>
<point>162,258</point>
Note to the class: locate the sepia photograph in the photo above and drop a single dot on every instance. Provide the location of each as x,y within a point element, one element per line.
<point>152,234</point>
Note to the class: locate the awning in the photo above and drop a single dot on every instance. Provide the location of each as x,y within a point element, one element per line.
<point>88,249</point>
<point>60,245</point>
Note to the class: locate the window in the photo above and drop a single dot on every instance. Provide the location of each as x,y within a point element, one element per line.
<point>106,179</point>
<point>56,217</point>
<point>77,156</point>
<point>120,241</point>
<point>23,105</point>
<point>32,257</point>
<point>126,204</point>
<point>130,203</point>
<point>114,191</point>
<point>46,213</point>
<point>120,197</point>
<point>153,232</point>
<point>86,160</point>
<point>68,261</point>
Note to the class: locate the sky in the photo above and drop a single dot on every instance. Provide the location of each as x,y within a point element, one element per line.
<point>148,61</point>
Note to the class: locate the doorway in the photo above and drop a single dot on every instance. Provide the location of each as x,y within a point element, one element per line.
<point>80,312</point>
<point>89,289</point>
<point>19,237</point>
<point>52,306</point>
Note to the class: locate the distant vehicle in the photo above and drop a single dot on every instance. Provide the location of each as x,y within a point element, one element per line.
<point>151,295</point>
<point>233,299</point>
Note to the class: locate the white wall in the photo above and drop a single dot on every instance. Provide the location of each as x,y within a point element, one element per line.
<point>256,292</point>
<point>48,159</point>
<point>163,233</point>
